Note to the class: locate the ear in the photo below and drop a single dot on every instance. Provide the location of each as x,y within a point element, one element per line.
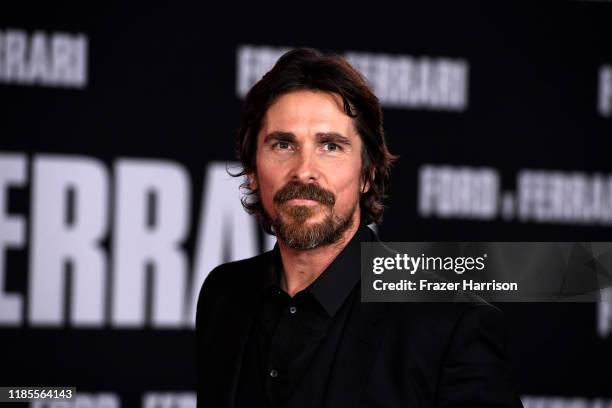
<point>252,181</point>
<point>365,185</point>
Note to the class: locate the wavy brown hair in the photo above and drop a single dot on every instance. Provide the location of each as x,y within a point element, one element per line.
<point>309,69</point>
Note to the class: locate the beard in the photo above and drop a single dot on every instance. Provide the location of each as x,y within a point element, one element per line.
<point>292,224</point>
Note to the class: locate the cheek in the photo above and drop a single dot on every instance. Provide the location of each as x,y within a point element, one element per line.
<point>267,183</point>
<point>267,198</point>
<point>348,187</point>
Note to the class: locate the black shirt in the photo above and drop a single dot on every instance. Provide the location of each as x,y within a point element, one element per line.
<point>287,332</point>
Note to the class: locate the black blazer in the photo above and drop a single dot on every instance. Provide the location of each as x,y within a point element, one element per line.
<point>389,355</point>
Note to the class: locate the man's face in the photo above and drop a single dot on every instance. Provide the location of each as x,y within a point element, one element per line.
<point>308,169</point>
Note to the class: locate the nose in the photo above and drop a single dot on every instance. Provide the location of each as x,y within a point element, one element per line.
<point>305,169</point>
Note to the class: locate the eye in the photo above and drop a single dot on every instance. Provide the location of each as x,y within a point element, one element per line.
<point>331,147</point>
<point>281,146</point>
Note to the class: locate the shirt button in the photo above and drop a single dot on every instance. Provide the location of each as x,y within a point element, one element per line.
<point>273,373</point>
<point>292,309</point>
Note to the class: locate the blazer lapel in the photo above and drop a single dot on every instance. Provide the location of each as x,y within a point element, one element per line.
<point>358,347</point>
<point>234,328</point>
<point>233,333</point>
<point>356,353</point>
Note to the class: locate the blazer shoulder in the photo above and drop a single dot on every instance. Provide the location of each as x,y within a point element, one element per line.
<point>437,320</point>
<point>230,278</point>
<point>225,276</point>
<point>449,310</point>
<point>240,269</point>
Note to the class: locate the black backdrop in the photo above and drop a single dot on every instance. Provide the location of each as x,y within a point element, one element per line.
<point>161,84</point>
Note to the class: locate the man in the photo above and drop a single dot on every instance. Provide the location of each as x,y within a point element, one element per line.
<point>287,328</point>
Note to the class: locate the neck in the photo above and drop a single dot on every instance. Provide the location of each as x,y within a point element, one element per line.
<point>302,267</point>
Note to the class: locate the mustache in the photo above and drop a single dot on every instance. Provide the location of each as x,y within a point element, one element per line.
<point>310,191</point>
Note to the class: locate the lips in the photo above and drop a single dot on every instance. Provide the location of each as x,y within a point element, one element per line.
<point>302,201</point>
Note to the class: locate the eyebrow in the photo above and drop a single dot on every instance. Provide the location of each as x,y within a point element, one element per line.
<point>333,137</point>
<point>280,136</point>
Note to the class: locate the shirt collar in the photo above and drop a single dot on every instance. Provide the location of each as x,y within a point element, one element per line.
<point>333,286</point>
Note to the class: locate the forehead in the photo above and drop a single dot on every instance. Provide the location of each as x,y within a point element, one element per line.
<point>306,110</point>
